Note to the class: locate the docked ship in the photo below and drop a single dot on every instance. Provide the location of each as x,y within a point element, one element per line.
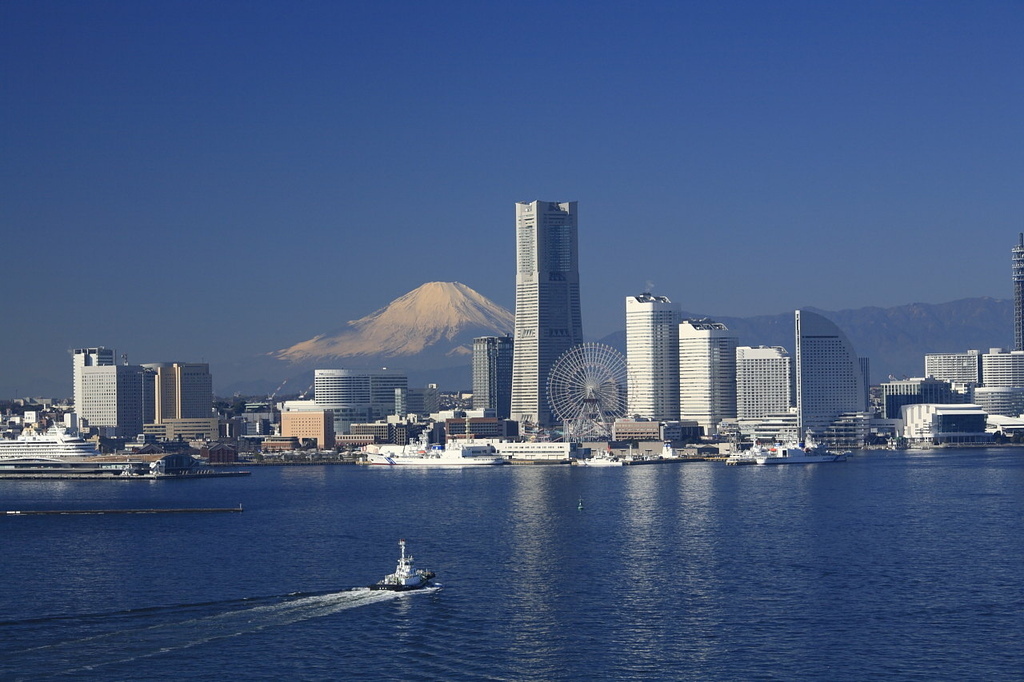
<point>55,445</point>
<point>405,576</point>
<point>797,453</point>
<point>422,454</point>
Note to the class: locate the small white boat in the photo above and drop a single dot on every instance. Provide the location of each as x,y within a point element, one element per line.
<point>405,576</point>
<point>601,462</point>
<point>745,456</point>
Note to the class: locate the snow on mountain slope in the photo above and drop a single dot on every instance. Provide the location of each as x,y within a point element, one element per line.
<point>440,316</point>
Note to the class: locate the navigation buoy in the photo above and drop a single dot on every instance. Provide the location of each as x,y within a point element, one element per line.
<point>580,507</point>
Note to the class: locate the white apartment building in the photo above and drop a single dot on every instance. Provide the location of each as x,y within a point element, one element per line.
<point>1000,368</point>
<point>764,382</point>
<point>652,357</point>
<point>548,318</point>
<point>707,373</point>
<point>956,368</point>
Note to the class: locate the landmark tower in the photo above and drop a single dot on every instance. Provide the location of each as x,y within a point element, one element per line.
<point>548,319</point>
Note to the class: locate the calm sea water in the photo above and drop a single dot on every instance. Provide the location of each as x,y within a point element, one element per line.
<point>903,565</point>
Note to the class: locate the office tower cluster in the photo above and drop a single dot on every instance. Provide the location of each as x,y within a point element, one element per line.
<point>163,399</point>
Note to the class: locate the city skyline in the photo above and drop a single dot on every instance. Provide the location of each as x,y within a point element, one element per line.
<point>174,201</point>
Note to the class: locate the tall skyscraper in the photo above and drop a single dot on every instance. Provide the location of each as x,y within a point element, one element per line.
<point>492,374</point>
<point>180,390</point>
<point>652,357</point>
<point>764,382</point>
<point>829,376</point>
<point>707,373</point>
<point>87,357</point>
<point>548,319</point>
<point>1018,294</point>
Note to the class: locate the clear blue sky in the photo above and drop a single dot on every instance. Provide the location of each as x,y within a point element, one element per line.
<point>211,180</point>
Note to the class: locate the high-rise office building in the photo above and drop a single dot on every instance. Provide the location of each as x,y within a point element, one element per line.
<point>652,357</point>
<point>87,357</point>
<point>111,398</point>
<point>764,382</point>
<point>707,373</point>
<point>1018,294</point>
<point>357,395</point>
<point>492,374</point>
<point>916,391</point>
<point>180,390</point>
<point>829,375</point>
<point>548,318</point>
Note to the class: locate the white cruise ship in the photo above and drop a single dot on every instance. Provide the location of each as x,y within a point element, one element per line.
<point>54,445</point>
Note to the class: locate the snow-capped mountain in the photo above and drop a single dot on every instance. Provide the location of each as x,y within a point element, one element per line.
<point>438,319</point>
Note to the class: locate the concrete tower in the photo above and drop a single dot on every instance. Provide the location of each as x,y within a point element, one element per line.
<point>652,357</point>
<point>548,319</point>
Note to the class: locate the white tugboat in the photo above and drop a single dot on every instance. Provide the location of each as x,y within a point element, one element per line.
<point>405,576</point>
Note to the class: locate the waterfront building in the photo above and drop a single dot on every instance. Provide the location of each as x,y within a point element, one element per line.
<point>548,317</point>
<point>1018,294</point>
<point>958,368</point>
<point>707,373</point>
<point>652,356</point>
<point>492,374</point>
<point>87,357</point>
<point>309,425</point>
<point>357,395</point>
<point>897,393</point>
<point>1002,368</point>
<point>764,382</point>
<point>927,424</point>
<point>111,399</point>
<point>830,381</point>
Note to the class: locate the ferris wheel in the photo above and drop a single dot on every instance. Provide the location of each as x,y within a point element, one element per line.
<point>587,390</point>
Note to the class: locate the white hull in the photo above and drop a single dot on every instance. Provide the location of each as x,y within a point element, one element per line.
<point>428,461</point>
<point>794,454</point>
<point>53,445</point>
<point>601,462</point>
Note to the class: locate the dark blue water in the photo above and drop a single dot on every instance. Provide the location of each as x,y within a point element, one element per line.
<point>903,565</point>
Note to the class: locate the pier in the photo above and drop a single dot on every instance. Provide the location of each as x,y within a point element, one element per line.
<point>196,510</point>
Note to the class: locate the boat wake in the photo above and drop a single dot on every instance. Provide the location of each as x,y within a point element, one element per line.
<point>138,634</point>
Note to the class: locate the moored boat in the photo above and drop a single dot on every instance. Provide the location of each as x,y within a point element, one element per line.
<point>54,444</point>
<point>798,453</point>
<point>454,453</point>
<point>405,576</point>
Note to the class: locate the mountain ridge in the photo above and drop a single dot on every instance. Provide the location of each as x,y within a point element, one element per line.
<point>895,339</point>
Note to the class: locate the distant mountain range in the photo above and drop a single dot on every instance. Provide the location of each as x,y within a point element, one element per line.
<point>428,333</point>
